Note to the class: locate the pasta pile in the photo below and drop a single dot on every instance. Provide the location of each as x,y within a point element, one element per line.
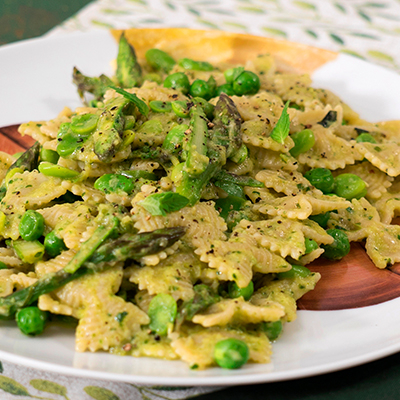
<point>255,243</point>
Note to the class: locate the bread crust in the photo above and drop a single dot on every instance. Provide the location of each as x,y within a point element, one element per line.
<point>218,46</point>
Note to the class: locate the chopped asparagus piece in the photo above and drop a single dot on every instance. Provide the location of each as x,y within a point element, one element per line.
<point>28,161</point>
<point>203,298</point>
<point>95,85</point>
<point>192,187</point>
<point>196,147</point>
<point>136,246</point>
<point>129,72</point>
<point>227,122</point>
<point>89,247</point>
<point>108,136</point>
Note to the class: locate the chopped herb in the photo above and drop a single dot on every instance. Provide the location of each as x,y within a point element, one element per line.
<point>163,203</point>
<point>140,104</point>
<point>282,127</point>
<point>329,119</point>
<point>121,316</point>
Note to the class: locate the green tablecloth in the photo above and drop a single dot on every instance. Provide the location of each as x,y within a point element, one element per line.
<point>22,19</point>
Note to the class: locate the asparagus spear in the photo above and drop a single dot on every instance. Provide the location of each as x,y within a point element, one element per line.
<point>95,85</point>
<point>214,146</point>
<point>203,298</point>
<point>89,247</point>
<point>192,187</point>
<point>129,72</point>
<point>131,247</point>
<point>109,133</point>
<point>28,161</point>
<point>136,246</point>
<point>227,122</point>
<point>196,147</point>
<point>10,304</point>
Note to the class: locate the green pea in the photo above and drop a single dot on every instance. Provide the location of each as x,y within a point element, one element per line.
<point>50,169</point>
<point>159,60</point>
<point>68,144</point>
<point>160,106</point>
<point>321,219</point>
<point>225,88</point>
<point>232,73</point>
<point>231,353</point>
<point>207,107</point>
<point>235,291</point>
<point>31,226</point>
<point>2,265</point>
<point>31,321</point>
<point>246,83</point>
<point>340,246</point>
<point>64,129</point>
<point>49,155</point>
<point>53,244</point>
<point>180,108</point>
<point>303,141</point>
<point>174,139</point>
<point>84,123</point>
<point>112,183</point>
<point>296,271</point>
<point>350,186</point>
<point>178,81</point>
<point>68,141</point>
<point>200,88</point>
<point>187,63</point>
<point>162,312</point>
<point>152,126</point>
<point>365,137</point>
<point>311,245</point>
<point>322,179</point>
<point>272,329</point>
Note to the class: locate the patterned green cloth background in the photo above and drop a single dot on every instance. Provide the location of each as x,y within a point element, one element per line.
<point>18,382</point>
<point>365,29</point>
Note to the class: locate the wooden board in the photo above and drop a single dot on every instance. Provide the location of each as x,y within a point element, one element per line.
<point>12,142</point>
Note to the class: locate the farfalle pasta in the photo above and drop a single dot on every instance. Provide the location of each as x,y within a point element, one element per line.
<point>175,212</point>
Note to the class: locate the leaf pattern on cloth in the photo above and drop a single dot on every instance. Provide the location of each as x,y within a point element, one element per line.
<point>355,27</point>
<point>49,387</point>
<point>18,382</point>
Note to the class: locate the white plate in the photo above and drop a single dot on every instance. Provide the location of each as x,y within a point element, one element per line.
<point>35,83</point>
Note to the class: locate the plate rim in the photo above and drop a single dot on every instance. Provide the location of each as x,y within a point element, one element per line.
<point>190,381</point>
